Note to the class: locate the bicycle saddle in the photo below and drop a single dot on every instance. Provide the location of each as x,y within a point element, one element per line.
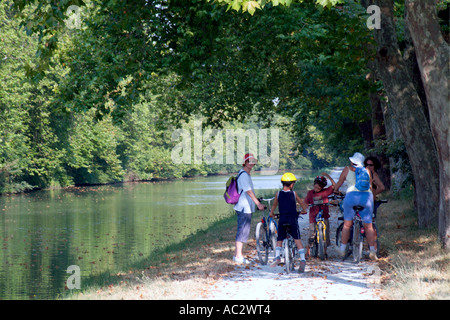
<point>358,208</point>
<point>287,225</point>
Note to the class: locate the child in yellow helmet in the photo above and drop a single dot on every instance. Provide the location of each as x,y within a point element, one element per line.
<point>287,199</point>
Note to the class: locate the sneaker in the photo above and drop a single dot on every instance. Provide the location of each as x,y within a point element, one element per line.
<point>373,255</point>
<point>240,260</point>
<point>301,269</point>
<point>275,262</point>
<point>341,252</point>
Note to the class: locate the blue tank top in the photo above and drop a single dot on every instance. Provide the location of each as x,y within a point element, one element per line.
<point>287,203</point>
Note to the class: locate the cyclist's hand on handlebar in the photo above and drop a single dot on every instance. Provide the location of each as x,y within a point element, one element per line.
<point>261,207</point>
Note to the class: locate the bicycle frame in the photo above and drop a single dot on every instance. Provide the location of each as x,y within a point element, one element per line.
<point>358,234</point>
<point>289,251</point>
<point>320,219</point>
<point>266,222</point>
<point>358,221</point>
<point>317,242</point>
<point>264,241</point>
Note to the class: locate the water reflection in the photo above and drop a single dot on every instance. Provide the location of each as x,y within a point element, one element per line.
<point>100,228</point>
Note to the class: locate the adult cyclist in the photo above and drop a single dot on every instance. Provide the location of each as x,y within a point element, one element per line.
<point>355,197</point>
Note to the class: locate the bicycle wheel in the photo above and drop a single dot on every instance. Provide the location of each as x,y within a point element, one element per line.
<point>262,245</point>
<point>273,234</point>
<point>357,243</point>
<point>287,256</point>
<point>321,242</point>
<point>313,246</point>
<point>339,235</point>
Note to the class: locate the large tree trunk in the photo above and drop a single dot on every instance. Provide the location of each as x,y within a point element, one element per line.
<point>432,56</point>
<point>379,137</point>
<point>407,108</point>
<point>410,58</point>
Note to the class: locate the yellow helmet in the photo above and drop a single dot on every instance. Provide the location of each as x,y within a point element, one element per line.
<point>288,177</point>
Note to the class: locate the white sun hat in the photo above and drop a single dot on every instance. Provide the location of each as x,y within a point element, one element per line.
<point>357,159</point>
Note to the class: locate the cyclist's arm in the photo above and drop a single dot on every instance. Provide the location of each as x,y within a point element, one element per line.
<point>370,179</point>
<point>302,203</point>
<point>255,200</point>
<point>329,177</point>
<point>380,186</point>
<point>341,179</point>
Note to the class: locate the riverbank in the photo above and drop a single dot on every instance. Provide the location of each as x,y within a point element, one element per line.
<point>180,271</point>
<point>111,183</point>
<point>132,181</point>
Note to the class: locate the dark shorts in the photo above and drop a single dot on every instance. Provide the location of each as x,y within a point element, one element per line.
<point>294,230</point>
<point>243,226</point>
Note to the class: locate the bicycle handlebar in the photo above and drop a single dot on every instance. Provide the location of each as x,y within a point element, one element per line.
<point>262,199</point>
<point>316,205</point>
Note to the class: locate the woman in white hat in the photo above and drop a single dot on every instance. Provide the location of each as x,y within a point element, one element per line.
<point>356,197</point>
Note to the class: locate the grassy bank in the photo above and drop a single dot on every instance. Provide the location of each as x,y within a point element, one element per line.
<point>414,265</point>
<point>179,271</point>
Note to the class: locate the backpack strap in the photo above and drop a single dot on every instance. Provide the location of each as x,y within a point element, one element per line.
<point>237,177</point>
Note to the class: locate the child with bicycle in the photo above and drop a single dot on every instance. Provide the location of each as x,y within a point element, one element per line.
<point>319,195</point>
<point>286,200</point>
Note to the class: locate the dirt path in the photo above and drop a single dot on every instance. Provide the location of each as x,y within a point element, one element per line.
<point>330,279</point>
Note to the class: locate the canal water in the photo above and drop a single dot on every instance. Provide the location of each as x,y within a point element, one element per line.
<point>102,228</point>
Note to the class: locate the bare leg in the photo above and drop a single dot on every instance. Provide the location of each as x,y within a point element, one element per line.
<point>238,249</point>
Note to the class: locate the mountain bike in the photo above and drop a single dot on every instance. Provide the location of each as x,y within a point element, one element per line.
<point>356,239</point>
<point>266,234</point>
<point>318,241</point>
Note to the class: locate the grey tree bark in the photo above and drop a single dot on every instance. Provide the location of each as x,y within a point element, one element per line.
<point>407,108</point>
<point>433,57</point>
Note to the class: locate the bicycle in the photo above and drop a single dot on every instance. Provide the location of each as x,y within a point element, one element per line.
<point>318,241</point>
<point>289,251</point>
<point>356,239</point>
<point>266,237</point>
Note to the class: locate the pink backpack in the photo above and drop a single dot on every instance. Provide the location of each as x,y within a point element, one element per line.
<point>231,194</point>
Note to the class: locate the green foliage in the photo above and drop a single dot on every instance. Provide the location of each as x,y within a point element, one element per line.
<point>111,93</point>
<point>62,130</point>
<point>251,6</point>
<point>312,62</point>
